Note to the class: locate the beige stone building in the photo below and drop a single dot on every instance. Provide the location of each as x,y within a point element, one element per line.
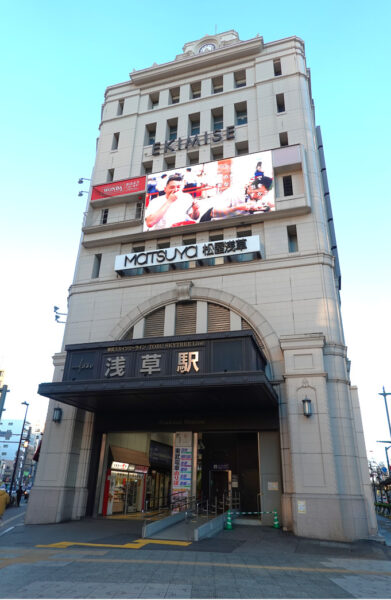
<point>204,354</point>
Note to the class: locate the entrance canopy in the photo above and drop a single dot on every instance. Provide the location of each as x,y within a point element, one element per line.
<point>170,375</point>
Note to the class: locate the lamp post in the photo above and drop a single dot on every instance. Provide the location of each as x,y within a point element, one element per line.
<point>386,449</point>
<point>385,394</point>
<point>17,453</point>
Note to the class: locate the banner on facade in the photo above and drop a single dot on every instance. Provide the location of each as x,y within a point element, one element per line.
<point>118,188</point>
<point>182,468</point>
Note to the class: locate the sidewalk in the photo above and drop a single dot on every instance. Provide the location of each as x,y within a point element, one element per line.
<point>110,561</point>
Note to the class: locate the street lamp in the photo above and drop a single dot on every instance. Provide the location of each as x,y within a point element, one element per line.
<point>385,394</point>
<point>307,407</point>
<point>20,442</point>
<point>386,449</point>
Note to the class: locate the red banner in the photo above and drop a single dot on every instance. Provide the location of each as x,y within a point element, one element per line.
<point>118,188</point>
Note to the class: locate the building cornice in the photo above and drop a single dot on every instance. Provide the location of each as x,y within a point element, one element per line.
<point>126,238</point>
<point>175,68</point>
<point>198,274</point>
<point>304,341</point>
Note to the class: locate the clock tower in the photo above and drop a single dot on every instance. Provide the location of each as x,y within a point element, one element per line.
<point>210,43</point>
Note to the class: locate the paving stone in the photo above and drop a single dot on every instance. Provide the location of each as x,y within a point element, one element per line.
<point>178,591</point>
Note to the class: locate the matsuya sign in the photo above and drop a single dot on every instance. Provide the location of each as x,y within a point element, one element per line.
<point>178,254</point>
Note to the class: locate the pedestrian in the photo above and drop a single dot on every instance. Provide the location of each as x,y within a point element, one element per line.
<point>4,501</point>
<point>19,494</point>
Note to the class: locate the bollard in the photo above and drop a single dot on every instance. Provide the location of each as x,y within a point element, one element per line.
<point>228,524</point>
<point>276,524</point>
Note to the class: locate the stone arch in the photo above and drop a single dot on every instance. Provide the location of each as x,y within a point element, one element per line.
<point>186,290</point>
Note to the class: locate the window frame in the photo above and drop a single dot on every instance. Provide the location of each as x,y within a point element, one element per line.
<point>287,182</point>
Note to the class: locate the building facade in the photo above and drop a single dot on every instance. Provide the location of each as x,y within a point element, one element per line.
<point>204,353</point>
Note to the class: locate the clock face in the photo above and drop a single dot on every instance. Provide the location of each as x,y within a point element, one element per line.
<point>207,48</point>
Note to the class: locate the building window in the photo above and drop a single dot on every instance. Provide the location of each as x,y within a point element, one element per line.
<point>217,153</point>
<point>150,134</point>
<point>147,168</point>
<point>217,119</point>
<point>110,175</point>
<point>292,238</point>
<point>241,148</point>
<point>185,318</point>
<point>240,79</point>
<point>189,241</point>
<point>139,210</point>
<point>172,129</point>
<point>174,95</point>
<point>243,233</point>
<point>169,163</point>
<point>277,67</point>
<point>288,186</point>
<point>284,138</point>
<point>104,215</point>
<point>115,142</point>
<point>218,318</point>
<point>96,266</point>
<point>193,158</point>
<point>120,107</point>
<point>195,89</point>
<point>154,323</point>
<point>217,84</point>
<point>280,100</point>
<point>241,113</point>
<point>154,100</point>
<point>194,124</point>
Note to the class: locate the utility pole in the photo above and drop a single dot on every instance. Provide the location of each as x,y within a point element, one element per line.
<point>3,393</point>
<point>17,454</point>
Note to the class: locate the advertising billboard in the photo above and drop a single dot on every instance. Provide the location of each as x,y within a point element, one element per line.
<point>212,191</point>
<point>118,188</point>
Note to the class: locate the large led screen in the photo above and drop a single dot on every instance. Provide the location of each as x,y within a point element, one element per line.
<point>212,191</point>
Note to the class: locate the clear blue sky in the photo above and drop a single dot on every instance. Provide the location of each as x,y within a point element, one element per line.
<point>57,60</point>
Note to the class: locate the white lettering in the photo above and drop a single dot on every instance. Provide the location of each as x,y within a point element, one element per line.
<point>127,262</point>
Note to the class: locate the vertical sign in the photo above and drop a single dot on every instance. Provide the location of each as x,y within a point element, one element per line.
<point>182,467</point>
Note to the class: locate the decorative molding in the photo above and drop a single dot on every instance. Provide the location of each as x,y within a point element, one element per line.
<point>188,291</point>
<point>183,290</point>
<point>323,374</point>
<point>299,342</point>
<point>234,52</point>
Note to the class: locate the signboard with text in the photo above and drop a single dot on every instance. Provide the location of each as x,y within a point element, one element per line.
<point>175,358</point>
<point>232,247</point>
<point>118,188</point>
<point>182,466</point>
